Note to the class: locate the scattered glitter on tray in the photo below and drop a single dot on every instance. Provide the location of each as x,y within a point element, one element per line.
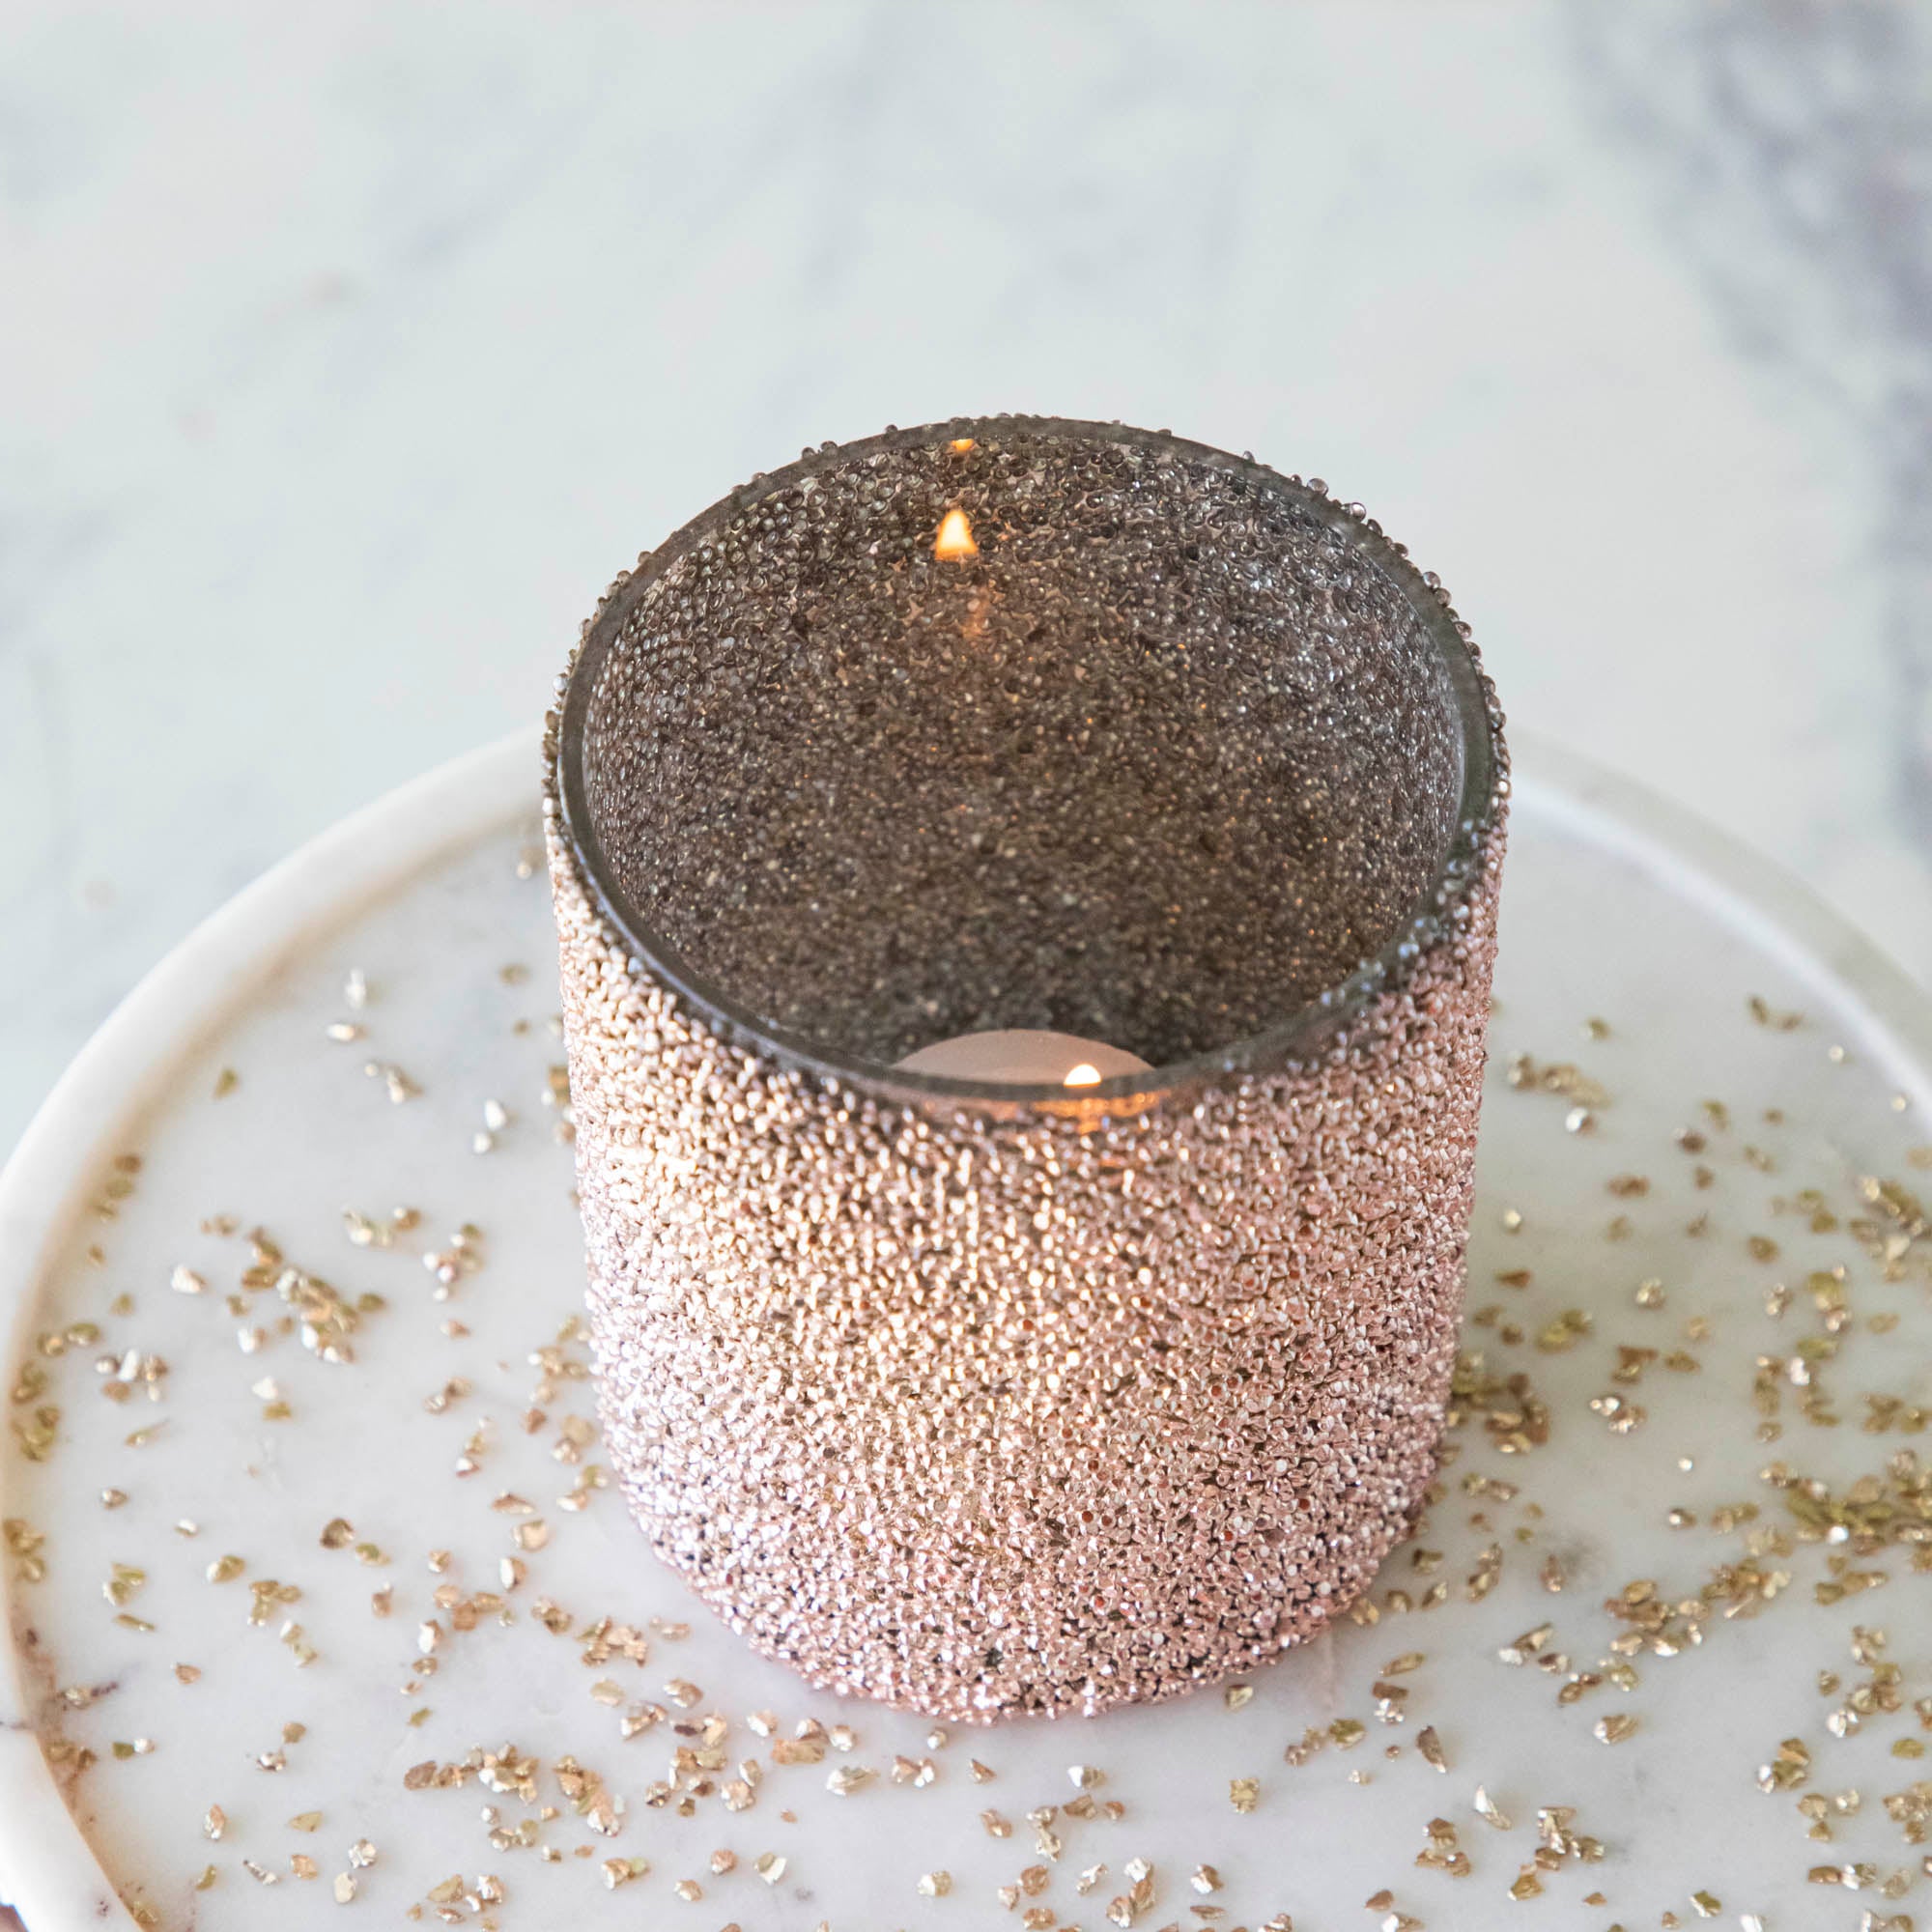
<point>398,1655</point>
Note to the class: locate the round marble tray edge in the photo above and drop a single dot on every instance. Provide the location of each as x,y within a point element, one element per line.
<point>47,1868</point>
<point>47,1871</point>
<point>1784,916</point>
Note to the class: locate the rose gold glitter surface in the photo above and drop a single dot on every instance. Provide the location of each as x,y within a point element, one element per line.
<point>985,1401</point>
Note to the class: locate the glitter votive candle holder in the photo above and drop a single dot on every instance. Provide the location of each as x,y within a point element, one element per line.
<point>984,1398</point>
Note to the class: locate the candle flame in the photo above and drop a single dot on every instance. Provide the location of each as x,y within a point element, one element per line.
<point>954,541</point>
<point>1086,1074</point>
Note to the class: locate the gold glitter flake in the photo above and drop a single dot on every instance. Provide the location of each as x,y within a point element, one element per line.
<point>38,1436</point>
<point>1244,1793</point>
<point>1568,1082</point>
<point>1569,1329</point>
<point>1525,1648</point>
<point>124,1584</point>
<point>1515,1418</point>
<point>1126,1909</point>
<point>24,1544</point>
<point>265,1594</point>
<point>396,1083</point>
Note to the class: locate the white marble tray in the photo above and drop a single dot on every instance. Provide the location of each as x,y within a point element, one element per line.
<point>1612,908</point>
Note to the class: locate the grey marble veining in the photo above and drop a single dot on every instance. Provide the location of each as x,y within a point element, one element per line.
<point>346,351</point>
<point>1790,148</point>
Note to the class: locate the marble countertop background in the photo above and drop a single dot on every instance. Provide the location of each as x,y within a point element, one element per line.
<point>346,351</point>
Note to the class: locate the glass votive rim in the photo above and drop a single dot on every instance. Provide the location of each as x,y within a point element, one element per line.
<point>1299,1038</point>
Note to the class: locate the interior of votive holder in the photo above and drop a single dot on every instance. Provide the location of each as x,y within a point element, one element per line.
<point>1182,746</point>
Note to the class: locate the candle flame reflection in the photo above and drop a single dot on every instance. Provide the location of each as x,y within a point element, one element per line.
<point>1086,1074</point>
<point>954,541</point>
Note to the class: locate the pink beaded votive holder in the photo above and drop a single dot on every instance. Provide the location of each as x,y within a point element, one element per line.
<point>981,1397</point>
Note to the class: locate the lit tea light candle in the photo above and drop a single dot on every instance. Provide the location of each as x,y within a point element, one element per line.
<point>1012,1056</point>
<point>1025,1057</point>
